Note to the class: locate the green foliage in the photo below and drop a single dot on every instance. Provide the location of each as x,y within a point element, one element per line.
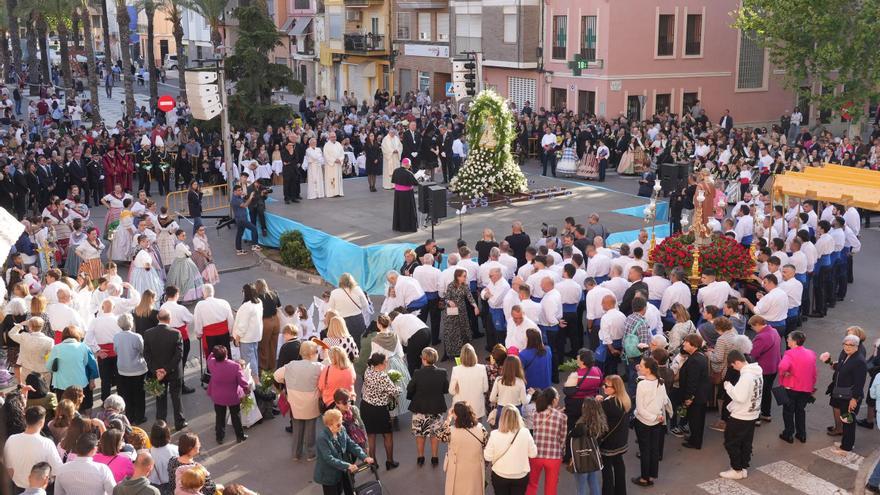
<point>829,42</point>
<point>294,252</point>
<point>243,113</point>
<point>489,170</point>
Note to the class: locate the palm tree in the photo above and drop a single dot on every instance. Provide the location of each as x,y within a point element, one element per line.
<point>213,12</point>
<point>86,18</point>
<point>33,72</point>
<point>174,14</point>
<point>123,19</point>
<point>4,42</point>
<point>12,12</point>
<point>105,27</point>
<point>149,8</point>
<point>57,12</point>
<point>36,10</point>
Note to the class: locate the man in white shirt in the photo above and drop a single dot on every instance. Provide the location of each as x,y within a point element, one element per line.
<point>823,293</point>
<point>773,305</point>
<point>181,319</point>
<point>657,284</point>
<point>414,336</point>
<point>715,292</point>
<point>548,151</point>
<point>53,285</point>
<point>516,328</point>
<point>602,154</point>
<point>406,291</point>
<point>610,335</point>
<point>429,278</point>
<point>511,299</point>
<point>493,295</point>
<point>83,475</point>
<point>641,241</point>
<point>507,260</point>
<point>212,320</point>
<point>530,308</point>
<point>616,284</point>
<point>598,265</point>
<point>62,314</point>
<point>123,304</point>
<point>23,450</point>
<point>448,275</point>
<point>571,294</point>
<point>594,310</point>
<point>677,292</point>
<point>795,290</point>
<point>99,338</point>
<point>745,226</point>
<point>536,279</point>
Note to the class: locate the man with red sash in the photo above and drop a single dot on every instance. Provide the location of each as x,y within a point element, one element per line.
<point>212,320</point>
<point>181,318</point>
<point>99,338</point>
<point>62,314</point>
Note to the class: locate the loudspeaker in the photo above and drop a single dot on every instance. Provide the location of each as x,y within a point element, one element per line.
<point>437,195</point>
<point>673,176</point>
<point>424,197</point>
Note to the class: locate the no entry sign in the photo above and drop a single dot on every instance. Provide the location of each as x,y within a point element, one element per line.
<point>166,103</point>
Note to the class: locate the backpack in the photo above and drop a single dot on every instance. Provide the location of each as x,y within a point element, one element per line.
<point>585,456</point>
<point>631,344</point>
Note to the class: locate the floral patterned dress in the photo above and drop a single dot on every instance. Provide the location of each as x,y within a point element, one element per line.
<point>456,327</point>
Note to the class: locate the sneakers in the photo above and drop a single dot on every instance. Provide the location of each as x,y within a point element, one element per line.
<point>731,474</point>
<point>240,252</point>
<point>256,247</point>
<point>677,431</point>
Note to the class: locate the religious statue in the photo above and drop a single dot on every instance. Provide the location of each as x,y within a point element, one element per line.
<point>704,199</point>
<point>487,139</point>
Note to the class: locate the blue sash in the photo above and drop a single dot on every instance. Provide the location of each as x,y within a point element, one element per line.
<point>603,278</point>
<point>802,278</point>
<point>746,240</point>
<point>777,324</point>
<point>432,296</point>
<point>794,311</point>
<point>824,260</point>
<point>498,320</point>
<point>536,299</point>
<point>601,353</point>
<point>569,308</point>
<point>418,303</point>
<point>473,286</point>
<point>812,232</point>
<point>547,329</point>
<point>655,302</point>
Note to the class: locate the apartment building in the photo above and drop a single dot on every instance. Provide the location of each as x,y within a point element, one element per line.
<point>421,46</point>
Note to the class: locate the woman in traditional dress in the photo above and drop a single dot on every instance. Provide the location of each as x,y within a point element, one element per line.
<point>456,328</point>
<point>627,164</point>
<point>184,274</point>
<point>567,166</point>
<point>72,262</point>
<point>166,238</point>
<point>203,258</point>
<point>114,202</point>
<point>314,167</point>
<point>589,165</point>
<point>89,252</point>
<point>392,148</point>
<point>386,342</point>
<point>124,235</point>
<point>60,220</point>
<point>404,216</point>
<point>144,274</point>
<point>640,158</point>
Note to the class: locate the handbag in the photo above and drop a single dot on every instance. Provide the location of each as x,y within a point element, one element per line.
<point>569,391</point>
<point>508,447</point>
<point>322,408</point>
<point>838,392</point>
<point>780,393</point>
<point>585,456</point>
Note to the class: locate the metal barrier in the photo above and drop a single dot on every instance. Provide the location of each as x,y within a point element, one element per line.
<point>214,198</point>
<point>534,147</point>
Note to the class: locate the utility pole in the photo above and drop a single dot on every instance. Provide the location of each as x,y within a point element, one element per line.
<point>225,131</point>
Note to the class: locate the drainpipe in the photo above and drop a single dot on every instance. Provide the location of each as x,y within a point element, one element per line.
<point>541,82</point>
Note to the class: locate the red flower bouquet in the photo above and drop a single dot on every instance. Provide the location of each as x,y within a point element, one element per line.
<point>728,258</point>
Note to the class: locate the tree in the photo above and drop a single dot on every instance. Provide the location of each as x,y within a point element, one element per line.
<point>174,14</point>
<point>149,8</point>
<point>825,43</point>
<point>4,41</point>
<point>123,19</point>
<point>57,15</point>
<point>213,12</point>
<point>105,27</point>
<point>12,12</point>
<point>255,77</point>
<point>32,60</point>
<point>86,18</point>
<point>36,10</point>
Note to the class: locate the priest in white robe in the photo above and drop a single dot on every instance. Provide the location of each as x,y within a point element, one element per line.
<point>392,147</point>
<point>334,156</point>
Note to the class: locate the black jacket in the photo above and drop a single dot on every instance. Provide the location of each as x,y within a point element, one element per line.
<point>411,145</point>
<point>630,294</point>
<point>289,352</point>
<point>194,201</point>
<point>851,373</point>
<point>615,440</point>
<point>163,348</point>
<point>444,142</point>
<point>518,244</point>
<point>693,378</point>
<point>427,390</point>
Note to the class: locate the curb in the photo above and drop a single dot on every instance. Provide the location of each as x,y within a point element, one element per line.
<point>865,471</point>
<point>298,275</point>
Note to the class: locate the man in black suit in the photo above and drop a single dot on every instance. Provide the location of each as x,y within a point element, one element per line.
<point>638,286</point>
<point>94,178</point>
<point>290,173</point>
<point>46,182</point>
<point>444,142</point>
<point>78,173</point>
<point>163,349</point>
<point>726,121</point>
<point>412,144</point>
<point>427,394</point>
<point>695,388</point>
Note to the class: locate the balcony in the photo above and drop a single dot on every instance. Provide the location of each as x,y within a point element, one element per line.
<point>362,3</point>
<point>368,43</point>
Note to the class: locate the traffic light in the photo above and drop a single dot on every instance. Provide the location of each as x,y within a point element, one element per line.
<point>470,78</point>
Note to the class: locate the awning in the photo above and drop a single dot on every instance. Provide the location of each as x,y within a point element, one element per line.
<point>287,24</point>
<point>301,26</point>
<point>832,183</point>
<point>368,69</point>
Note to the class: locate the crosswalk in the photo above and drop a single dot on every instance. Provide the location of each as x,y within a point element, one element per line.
<point>795,477</point>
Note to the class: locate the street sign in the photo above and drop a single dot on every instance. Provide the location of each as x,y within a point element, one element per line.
<point>450,90</point>
<point>166,103</point>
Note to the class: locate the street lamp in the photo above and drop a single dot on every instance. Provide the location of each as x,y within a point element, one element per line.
<point>753,249</point>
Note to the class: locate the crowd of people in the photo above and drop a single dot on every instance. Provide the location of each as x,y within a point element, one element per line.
<point>584,341</point>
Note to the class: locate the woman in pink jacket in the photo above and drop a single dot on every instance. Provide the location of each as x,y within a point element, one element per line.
<point>226,388</point>
<point>797,373</point>
<point>766,351</point>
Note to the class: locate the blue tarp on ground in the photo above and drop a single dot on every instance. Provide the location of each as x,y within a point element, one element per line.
<point>639,211</point>
<point>333,256</point>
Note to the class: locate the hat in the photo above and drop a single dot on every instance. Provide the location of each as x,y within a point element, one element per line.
<point>145,141</point>
<point>159,141</point>
<point>406,161</point>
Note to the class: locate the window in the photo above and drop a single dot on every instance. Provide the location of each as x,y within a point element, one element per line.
<point>558,98</point>
<point>750,73</point>
<point>443,26</point>
<point>425,26</point>
<point>510,28</point>
<point>633,108</point>
<point>403,26</point>
<point>586,102</point>
<point>662,103</point>
<point>694,35</point>
<point>665,35</point>
<point>270,6</point>
<point>560,36</point>
<point>687,101</point>
<point>588,37</point>
<point>302,4</point>
<point>424,81</point>
<point>335,26</point>
<point>468,32</point>
<point>374,25</point>
<point>521,90</point>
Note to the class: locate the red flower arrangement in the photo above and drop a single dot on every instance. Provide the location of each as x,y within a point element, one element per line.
<point>729,259</point>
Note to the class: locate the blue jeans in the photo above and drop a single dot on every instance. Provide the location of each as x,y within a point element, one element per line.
<point>197,222</point>
<point>589,483</point>
<point>874,479</point>
<point>241,226</point>
<point>249,355</point>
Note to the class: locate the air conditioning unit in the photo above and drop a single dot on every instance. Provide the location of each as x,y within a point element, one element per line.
<point>353,15</point>
<point>424,36</point>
